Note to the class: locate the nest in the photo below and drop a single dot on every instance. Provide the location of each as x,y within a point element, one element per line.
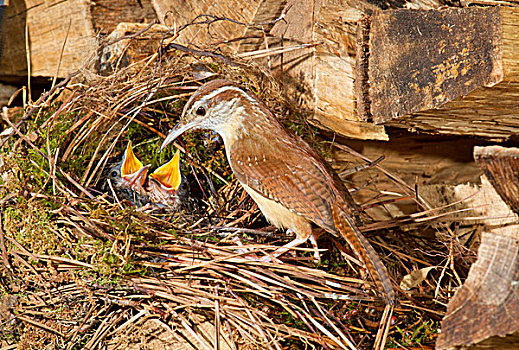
<point>86,270</point>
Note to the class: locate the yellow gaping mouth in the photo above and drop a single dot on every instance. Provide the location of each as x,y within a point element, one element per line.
<point>132,169</point>
<point>168,175</point>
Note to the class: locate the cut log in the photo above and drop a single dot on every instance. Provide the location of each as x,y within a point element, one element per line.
<point>107,14</point>
<point>449,71</point>
<point>417,159</point>
<point>325,74</point>
<point>6,92</point>
<point>501,166</point>
<point>53,26</point>
<point>487,305</point>
<point>178,13</point>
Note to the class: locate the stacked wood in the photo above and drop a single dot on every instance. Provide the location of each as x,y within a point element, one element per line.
<point>320,77</point>
<point>450,71</point>
<point>50,38</point>
<point>469,69</point>
<point>466,77</point>
<point>485,308</point>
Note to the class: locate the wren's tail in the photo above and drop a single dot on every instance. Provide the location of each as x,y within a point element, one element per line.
<point>347,228</point>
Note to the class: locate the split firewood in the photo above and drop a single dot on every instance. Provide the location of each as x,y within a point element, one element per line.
<point>485,308</point>
<point>448,71</point>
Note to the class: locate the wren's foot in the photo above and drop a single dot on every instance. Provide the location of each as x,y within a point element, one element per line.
<point>296,242</point>
<point>317,255</point>
<point>243,249</point>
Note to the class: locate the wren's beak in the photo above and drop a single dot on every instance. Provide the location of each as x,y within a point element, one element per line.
<point>168,175</point>
<point>132,170</point>
<point>178,130</point>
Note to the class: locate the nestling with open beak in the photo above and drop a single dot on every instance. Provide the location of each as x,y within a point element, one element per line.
<point>130,182</point>
<point>291,184</point>
<point>128,178</point>
<point>164,183</point>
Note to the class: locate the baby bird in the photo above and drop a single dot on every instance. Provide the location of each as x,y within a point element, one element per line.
<point>164,183</point>
<point>130,182</point>
<point>127,179</point>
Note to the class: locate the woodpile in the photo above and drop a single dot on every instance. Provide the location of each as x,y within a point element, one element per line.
<point>431,87</point>
<point>47,38</point>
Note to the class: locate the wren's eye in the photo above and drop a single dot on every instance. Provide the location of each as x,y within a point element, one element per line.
<point>200,111</point>
<point>113,173</point>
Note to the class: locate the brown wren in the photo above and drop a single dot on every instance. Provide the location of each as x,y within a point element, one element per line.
<point>292,185</point>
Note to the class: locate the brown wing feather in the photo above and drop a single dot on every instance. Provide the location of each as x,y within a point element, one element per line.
<point>299,186</point>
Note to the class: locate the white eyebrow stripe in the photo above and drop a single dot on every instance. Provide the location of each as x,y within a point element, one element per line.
<point>221,89</point>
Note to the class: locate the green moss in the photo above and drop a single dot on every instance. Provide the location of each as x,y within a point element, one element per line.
<point>420,333</point>
<point>176,105</point>
<point>30,225</point>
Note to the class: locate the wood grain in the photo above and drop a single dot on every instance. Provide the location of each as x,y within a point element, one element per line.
<point>107,14</point>
<point>501,167</point>
<point>420,59</point>
<point>448,71</point>
<point>487,304</point>
<point>176,13</point>
<point>55,25</point>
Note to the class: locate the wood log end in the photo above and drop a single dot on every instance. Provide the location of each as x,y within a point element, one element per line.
<point>421,59</point>
<point>501,167</point>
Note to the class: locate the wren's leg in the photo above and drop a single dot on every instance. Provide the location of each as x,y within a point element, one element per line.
<point>313,240</point>
<point>316,233</point>
<point>300,239</point>
<point>282,250</point>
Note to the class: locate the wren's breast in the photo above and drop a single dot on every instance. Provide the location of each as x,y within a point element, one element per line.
<point>278,215</point>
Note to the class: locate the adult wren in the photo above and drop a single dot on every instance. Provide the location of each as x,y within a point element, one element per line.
<point>291,184</point>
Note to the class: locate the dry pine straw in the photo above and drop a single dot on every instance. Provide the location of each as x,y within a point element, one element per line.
<point>110,267</point>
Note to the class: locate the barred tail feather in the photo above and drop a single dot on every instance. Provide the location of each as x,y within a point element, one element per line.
<point>350,232</point>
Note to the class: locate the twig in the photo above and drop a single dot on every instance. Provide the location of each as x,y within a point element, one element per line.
<point>41,100</point>
<point>210,19</point>
<point>202,53</point>
<point>216,320</point>
<point>28,58</point>
<point>275,51</point>
<point>129,36</point>
<point>383,330</point>
<point>61,54</point>
<point>39,324</point>
<point>70,340</point>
